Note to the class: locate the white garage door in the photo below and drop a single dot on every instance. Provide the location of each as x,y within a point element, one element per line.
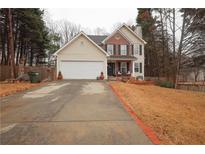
<point>80,69</point>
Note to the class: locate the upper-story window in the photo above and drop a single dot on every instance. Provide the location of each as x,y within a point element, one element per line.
<point>140,49</point>
<point>135,49</point>
<point>110,49</point>
<point>123,49</point>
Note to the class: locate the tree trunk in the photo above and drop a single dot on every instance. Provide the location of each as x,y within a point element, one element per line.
<point>16,39</point>
<point>174,48</point>
<point>180,49</point>
<point>163,42</point>
<point>18,54</point>
<point>3,37</point>
<point>31,58</point>
<point>167,56</point>
<point>11,44</point>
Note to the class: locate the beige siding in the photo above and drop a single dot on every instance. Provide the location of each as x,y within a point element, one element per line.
<point>82,50</point>
<point>130,36</point>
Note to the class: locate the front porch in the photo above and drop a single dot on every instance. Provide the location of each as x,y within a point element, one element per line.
<point>119,68</point>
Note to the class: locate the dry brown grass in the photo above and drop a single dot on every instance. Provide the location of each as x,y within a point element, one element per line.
<point>177,116</point>
<point>10,88</point>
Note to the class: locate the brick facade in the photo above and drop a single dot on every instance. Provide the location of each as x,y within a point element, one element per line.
<point>118,40</point>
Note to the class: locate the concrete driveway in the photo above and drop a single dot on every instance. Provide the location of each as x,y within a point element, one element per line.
<point>68,112</point>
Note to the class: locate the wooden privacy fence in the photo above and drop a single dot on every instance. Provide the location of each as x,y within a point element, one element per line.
<point>44,71</point>
<point>191,87</point>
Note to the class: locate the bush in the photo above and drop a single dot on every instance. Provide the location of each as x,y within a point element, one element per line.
<point>166,84</point>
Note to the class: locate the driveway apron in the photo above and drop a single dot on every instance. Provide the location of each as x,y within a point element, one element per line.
<point>68,112</point>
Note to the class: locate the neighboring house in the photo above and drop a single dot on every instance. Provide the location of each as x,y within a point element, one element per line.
<point>194,68</point>
<point>192,74</point>
<point>118,54</point>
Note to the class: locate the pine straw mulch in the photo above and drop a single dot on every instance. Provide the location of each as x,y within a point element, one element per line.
<point>11,88</point>
<point>176,116</point>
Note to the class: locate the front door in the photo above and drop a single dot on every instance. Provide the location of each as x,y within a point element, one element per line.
<point>111,69</point>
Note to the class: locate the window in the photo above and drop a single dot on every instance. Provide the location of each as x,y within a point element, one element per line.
<point>110,49</point>
<point>135,49</point>
<point>140,67</point>
<point>123,49</point>
<point>140,46</point>
<point>136,67</point>
<point>124,67</point>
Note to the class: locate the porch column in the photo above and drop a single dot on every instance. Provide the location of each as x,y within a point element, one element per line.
<point>133,68</point>
<point>116,67</point>
<point>130,67</point>
<point>119,67</point>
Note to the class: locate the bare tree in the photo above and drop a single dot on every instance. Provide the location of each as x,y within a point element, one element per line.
<point>100,31</point>
<point>116,26</point>
<point>64,28</point>
<point>68,30</point>
<point>179,52</point>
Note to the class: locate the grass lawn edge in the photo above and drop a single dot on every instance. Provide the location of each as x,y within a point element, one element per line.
<point>23,89</point>
<point>147,130</point>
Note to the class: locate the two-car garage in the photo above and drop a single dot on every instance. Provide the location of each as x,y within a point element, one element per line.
<point>81,58</point>
<point>81,69</point>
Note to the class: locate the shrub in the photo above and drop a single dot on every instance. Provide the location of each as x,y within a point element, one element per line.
<point>166,84</point>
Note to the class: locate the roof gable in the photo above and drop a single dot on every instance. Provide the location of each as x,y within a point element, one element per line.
<point>76,37</point>
<point>118,30</point>
<point>119,37</point>
<point>135,34</point>
<point>115,32</point>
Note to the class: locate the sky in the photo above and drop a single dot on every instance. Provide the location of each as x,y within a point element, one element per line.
<point>95,17</point>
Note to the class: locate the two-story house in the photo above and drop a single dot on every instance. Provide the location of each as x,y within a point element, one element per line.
<point>118,54</point>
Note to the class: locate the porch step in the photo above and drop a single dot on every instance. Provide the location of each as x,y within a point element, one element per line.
<point>119,78</point>
<point>112,78</point>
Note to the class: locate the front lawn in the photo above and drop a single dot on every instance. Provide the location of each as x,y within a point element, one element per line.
<point>176,116</point>
<point>10,88</point>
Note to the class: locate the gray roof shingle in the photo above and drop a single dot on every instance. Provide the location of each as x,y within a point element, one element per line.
<point>97,38</point>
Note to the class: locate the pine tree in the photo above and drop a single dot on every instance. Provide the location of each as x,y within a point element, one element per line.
<point>31,37</point>
<point>147,22</point>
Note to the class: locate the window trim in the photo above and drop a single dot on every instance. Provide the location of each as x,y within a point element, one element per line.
<point>121,51</point>
<point>135,48</point>
<point>136,63</point>
<point>111,52</point>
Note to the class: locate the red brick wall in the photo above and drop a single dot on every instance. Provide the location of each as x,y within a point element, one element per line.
<point>117,40</point>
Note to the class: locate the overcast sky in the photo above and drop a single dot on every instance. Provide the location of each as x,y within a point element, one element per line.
<point>93,18</point>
